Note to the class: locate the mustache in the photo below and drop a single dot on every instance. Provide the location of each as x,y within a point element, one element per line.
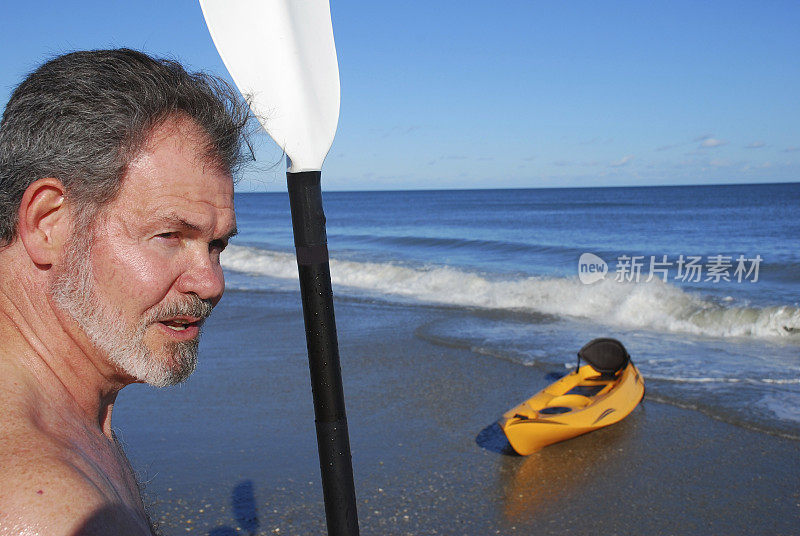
<point>191,305</point>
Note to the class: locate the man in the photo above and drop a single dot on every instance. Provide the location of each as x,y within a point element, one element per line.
<point>116,199</point>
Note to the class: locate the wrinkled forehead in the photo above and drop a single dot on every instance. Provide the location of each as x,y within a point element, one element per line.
<point>174,172</point>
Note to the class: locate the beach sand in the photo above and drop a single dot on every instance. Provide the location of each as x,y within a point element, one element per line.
<point>233,451</point>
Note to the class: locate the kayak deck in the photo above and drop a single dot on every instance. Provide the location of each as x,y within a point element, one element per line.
<point>580,402</point>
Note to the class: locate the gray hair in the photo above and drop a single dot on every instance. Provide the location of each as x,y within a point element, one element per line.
<point>82,117</point>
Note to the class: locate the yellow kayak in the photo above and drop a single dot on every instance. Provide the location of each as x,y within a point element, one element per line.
<point>592,396</point>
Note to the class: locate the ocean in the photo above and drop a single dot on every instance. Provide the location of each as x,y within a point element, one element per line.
<point>701,283</point>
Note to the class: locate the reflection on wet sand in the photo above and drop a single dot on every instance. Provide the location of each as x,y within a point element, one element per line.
<point>535,484</point>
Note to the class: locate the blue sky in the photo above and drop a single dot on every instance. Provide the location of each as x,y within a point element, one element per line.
<point>463,94</point>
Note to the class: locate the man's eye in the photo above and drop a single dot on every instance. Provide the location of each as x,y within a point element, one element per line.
<point>168,236</point>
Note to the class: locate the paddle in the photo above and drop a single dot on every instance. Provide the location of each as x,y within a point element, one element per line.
<point>281,54</point>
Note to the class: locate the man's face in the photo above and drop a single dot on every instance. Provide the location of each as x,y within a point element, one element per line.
<point>144,278</point>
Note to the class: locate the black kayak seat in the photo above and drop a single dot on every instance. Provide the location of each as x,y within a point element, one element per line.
<point>606,356</point>
<point>586,390</point>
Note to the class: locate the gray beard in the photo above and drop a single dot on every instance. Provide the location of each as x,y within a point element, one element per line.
<point>74,291</point>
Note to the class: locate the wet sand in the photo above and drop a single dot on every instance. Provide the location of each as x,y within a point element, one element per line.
<point>233,450</point>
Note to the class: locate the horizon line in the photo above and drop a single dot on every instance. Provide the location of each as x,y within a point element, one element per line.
<point>444,189</point>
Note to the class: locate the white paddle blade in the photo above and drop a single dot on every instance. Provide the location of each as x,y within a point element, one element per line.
<point>281,54</point>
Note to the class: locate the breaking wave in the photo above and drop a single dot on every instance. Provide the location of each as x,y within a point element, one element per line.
<point>652,305</point>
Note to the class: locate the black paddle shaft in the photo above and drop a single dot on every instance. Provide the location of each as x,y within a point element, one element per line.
<point>333,442</point>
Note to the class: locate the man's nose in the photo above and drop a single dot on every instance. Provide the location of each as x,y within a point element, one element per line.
<point>203,276</point>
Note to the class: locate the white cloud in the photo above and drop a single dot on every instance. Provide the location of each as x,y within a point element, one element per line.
<point>712,142</point>
<point>667,147</point>
<point>756,145</point>
<point>622,161</point>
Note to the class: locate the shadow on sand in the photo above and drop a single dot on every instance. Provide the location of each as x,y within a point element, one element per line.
<point>243,501</point>
<point>493,439</point>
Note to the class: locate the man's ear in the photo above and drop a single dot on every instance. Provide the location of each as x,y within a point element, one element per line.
<point>44,220</point>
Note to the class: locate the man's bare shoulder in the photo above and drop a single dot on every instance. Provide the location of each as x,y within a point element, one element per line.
<point>45,489</point>
<point>52,498</point>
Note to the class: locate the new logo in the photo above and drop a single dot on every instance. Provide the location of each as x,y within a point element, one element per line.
<point>591,268</point>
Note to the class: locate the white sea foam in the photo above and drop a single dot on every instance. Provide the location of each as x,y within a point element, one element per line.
<point>651,305</point>
<point>752,381</point>
<point>784,406</point>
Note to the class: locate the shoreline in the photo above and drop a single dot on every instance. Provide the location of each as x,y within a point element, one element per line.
<point>235,448</point>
